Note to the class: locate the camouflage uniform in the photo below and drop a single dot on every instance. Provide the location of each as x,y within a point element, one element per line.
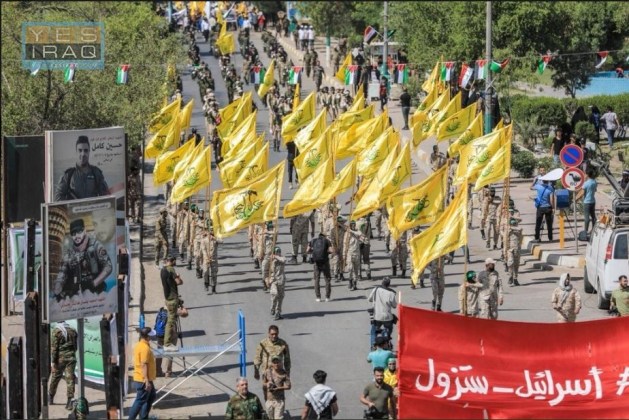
<point>134,191</point>
<point>331,231</point>
<point>471,294</point>
<point>503,226</point>
<point>437,282</point>
<point>200,228</point>
<point>63,358</point>
<point>161,236</point>
<point>183,230</point>
<point>415,232</point>
<point>490,296</point>
<point>254,232</point>
<point>209,252</point>
<point>192,235</point>
<point>277,283</point>
<point>364,225</point>
<point>308,62</point>
<point>172,217</point>
<point>566,310</point>
<point>265,251</point>
<point>299,231</point>
<point>437,160</point>
<point>513,253</point>
<point>485,199</point>
<point>352,241</point>
<point>248,407</point>
<point>492,217</point>
<point>399,254</point>
<point>266,350</point>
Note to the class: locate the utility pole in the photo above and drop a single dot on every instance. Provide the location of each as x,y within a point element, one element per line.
<point>385,47</point>
<point>488,87</point>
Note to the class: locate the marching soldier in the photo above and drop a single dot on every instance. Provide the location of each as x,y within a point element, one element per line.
<point>335,238</point>
<point>308,62</point>
<point>490,296</point>
<point>468,295</point>
<point>399,254</point>
<point>254,233</point>
<point>437,282</point>
<point>485,199</point>
<point>265,251</point>
<point>63,347</point>
<point>416,231</point>
<point>299,232</point>
<point>277,281</point>
<point>161,235</point>
<point>364,225</point>
<point>437,159</point>
<point>503,225</point>
<point>134,191</point>
<point>492,216</point>
<point>183,230</point>
<point>209,251</point>
<point>352,241</point>
<point>513,251</point>
<point>192,233</point>
<point>172,217</point>
<point>200,229</point>
<point>317,74</point>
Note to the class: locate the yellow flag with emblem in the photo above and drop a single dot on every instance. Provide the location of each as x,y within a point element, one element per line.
<point>440,103</point>
<point>438,118</point>
<point>340,75</point>
<point>417,205</point>
<point>310,190</point>
<point>421,113</point>
<point>388,180</point>
<point>359,101</point>
<point>300,117</point>
<point>431,82</point>
<point>361,135</point>
<point>227,112</point>
<point>163,139</point>
<point>457,123</point>
<point>231,168</point>
<point>165,163</point>
<point>245,130</point>
<point>311,132</point>
<point>364,185</point>
<point>370,159</point>
<point>342,182</point>
<point>473,131</point>
<point>226,43</point>
<point>311,157</point>
<point>185,115</point>
<point>417,131</point>
<point>226,127</point>
<point>447,233</point>
<point>349,118</point>
<point>296,96</point>
<point>498,168</point>
<point>250,140</point>
<point>478,153</point>
<point>197,175</point>
<point>186,160</point>
<point>256,202</point>
<point>252,169</point>
<point>500,125</point>
<point>269,80</point>
<point>165,116</point>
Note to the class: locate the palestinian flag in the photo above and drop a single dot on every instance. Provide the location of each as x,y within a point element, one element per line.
<point>122,74</point>
<point>350,75</point>
<point>497,67</point>
<point>447,69</point>
<point>35,69</point>
<point>257,75</point>
<point>481,69</point>
<point>68,75</point>
<point>543,62</point>
<point>466,75</point>
<point>601,57</point>
<point>370,34</point>
<point>401,74</point>
<point>294,75</point>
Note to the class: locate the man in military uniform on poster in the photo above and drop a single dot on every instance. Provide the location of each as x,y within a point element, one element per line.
<point>82,180</point>
<point>85,266</point>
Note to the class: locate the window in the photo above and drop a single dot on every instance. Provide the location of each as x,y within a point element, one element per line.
<point>620,248</point>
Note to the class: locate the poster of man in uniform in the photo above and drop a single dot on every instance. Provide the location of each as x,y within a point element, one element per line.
<point>88,163</point>
<point>81,260</point>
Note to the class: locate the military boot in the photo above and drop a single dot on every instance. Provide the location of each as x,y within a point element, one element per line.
<point>403,275</point>
<point>214,289</point>
<point>69,404</point>
<point>303,258</point>
<point>394,268</point>
<point>256,264</point>
<point>341,277</point>
<point>50,398</point>
<point>433,305</point>
<point>189,265</point>
<point>482,234</point>
<point>421,283</point>
<point>439,308</point>
<point>510,281</point>
<point>199,273</point>
<point>369,274</point>
<point>515,282</point>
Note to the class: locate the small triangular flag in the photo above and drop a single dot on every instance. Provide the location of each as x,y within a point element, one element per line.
<point>122,74</point>
<point>601,57</point>
<point>68,75</point>
<point>35,69</point>
<point>497,67</point>
<point>543,62</point>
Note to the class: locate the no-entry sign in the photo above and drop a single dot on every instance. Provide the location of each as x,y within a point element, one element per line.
<point>571,155</point>
<point>573,179</point>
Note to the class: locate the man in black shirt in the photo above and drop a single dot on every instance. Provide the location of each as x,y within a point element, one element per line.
<point>321,401</point>
<point>405,103</point>
<point>557,145</point>
<point>170,282</point>
<point>321,248</point>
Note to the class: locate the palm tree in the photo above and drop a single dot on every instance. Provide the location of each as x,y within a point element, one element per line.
<point>529,130</point>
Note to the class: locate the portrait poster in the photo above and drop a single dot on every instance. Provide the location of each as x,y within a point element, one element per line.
<point>23,174</point>
<point>17,244</point>
<point>81,258</point>
<point>88,163</point>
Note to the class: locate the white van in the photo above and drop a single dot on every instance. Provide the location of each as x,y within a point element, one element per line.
<point>607,254</point>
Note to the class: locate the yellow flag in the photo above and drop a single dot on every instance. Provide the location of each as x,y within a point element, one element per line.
<point>231,168</point>
<point>500,125</point>
<point>310,132</point>
<point>430,83</point>
<point>269,79</point>
<point>349,118</point>
<point>185,115</point>
<point>359,92</point>
<point>359,101</point>
<point>226,43</point>
<point>226,127</point>
<point>183,163</point>
<point>250,140</point>
<point>165,116</point>
<point>473,131</point>
<point>163,139</point>
<point>361,135</point>
<point>244,131</point>
<point>343,181</point>
<point>370,159</point>
<point>417,205</point>
<point>442,101</point>
<point>457,123</point>
<point>227,112</point>
<point>296,96</point>
<point>446,234</point>
<point>340,75</point>
<point>453,107</point>
<point>256,202</point>
<point>421,112</point>
<point>364,184</point>
<point>311,157</point>
<point>307,196</point>
<point>249,170</point>
<point>498,168</point>
<point>417,129</point>
<point>300,117</point>
<point>165,163</point>
<point>197,175</point>
<point>477,154</point>
<point>387,181</point>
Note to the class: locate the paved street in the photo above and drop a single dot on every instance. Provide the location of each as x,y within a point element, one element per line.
<point>332,336</point>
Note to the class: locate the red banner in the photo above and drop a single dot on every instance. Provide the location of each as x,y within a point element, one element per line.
<point>456,367</point>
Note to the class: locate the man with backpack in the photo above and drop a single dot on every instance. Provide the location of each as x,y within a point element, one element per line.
<point>321,248</point>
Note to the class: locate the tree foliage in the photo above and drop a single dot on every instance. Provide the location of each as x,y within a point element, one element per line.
<point>134,35</point>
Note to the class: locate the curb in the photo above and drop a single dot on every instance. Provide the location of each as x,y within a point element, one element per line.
<point>551,257</point>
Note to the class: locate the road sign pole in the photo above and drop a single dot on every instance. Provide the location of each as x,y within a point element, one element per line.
<point>576,229</point>
<point>561,230</point>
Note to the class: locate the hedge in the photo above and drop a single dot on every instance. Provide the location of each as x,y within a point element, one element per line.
<point>619,103</point>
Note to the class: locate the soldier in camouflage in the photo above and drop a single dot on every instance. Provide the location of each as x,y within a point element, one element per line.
<point>244,405</point>
<point>268,348</point>
<point>200,228</point>
<point>209,252</point>
<point>364,226</point>
<point>253,233</point>
<point>265,251</point>
<point>490,296</point>
<point>299,232</point>
<point>399,254</point>
<point>85,265</point>
<point>437,282</point>
<point>513,251</point>
<point>336,257</point>
<point>172,217</point>
<point>416,231</point>
<point>64,344</point>
<point>183,230</point>
<point>277,281</point>
<point>191,220</point>
<point>352,240</point>
<point>485,199</point>
<point>161,236</point>
<point>492,217</point>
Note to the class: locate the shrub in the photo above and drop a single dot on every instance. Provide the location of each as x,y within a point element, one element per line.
<point>547,142</point>
<point>620,104</point>
<point>585,130</point>
<point>547,163</point>
<point>523,162</point>
<point>546,111</point>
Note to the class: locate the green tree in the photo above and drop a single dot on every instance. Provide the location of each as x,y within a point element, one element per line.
<point>134,35</point>
<point>329,16</point>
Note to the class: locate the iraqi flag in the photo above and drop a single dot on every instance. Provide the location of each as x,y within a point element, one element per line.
<point>543,62</point>
<point>294,75</point>
<point>447,70</point>
<point>601,57</point>
<point>370,34</point>
<point>481,69</point>
<point>467,73</point>
<point>257,75</point>
<point>401,74</point>
<point>122,74</point>
<point>350,75</point>
<point>497,67</point>
<point>68,74</point>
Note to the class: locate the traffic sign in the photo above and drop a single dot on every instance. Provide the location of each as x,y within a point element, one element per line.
<point>573,179</point>
<point>571,155</point>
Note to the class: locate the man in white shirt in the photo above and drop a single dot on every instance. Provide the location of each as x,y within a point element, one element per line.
<point>311,37</point>
<point>302,37</point>
<point>384,301</point>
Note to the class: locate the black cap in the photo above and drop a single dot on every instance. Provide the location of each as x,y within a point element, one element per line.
<point>380,340</point>
<point>77,226</point>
